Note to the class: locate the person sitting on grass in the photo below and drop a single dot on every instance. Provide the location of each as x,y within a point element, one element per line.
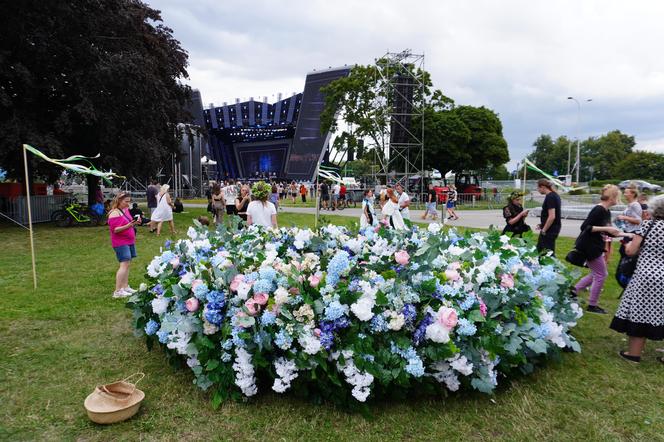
<point>136,211</point>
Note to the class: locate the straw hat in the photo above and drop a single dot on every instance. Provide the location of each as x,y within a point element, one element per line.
<point>114,402</point>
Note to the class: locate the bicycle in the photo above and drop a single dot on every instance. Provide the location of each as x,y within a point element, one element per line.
<point>74,213</point>
<point>346,202</point>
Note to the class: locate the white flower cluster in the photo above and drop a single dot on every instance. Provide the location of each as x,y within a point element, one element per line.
<point>361,381</point>
<point>286,372</point>
<point>310,344</point>
<point>446,371</point>
<point>244,372</point>
<point>363,306</point>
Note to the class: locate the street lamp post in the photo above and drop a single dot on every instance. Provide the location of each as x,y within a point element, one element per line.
<point>578,139</point>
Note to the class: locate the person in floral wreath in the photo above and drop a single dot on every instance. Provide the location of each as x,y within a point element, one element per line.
<point>260,211</point>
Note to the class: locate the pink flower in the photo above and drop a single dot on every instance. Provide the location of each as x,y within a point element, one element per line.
<point>317,332</point>
<point>402,257</point>
<point>235,283</point>
<point>452,275</point>
<point>175,262</point>
<point>196,282</point>
<point>506,281</point>
<point>447,317</point>
<point>456,265</point>
<point>314,280</point>
<point>482,307</point>
<point>191,304</point>
<point>261,298</point>
<point>252,306</point>
<point>294,291</point>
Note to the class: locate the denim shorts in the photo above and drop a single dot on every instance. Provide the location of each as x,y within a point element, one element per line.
<point>431,207</point>
<point>125,253</point>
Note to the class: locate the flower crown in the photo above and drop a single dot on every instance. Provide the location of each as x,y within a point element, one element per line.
<point>261,190</point>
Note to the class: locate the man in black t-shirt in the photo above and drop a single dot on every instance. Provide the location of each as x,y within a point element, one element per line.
<point>324,194</point>
<point>550,224</point>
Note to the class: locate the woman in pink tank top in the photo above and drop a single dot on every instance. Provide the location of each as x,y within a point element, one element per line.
<point>123,239</point>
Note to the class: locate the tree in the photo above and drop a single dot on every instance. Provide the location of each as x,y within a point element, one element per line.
<point>604,153</point>
<point>552,155</point>
<point>640,165</point>
<point>96,76</point>
<point>455,138</point>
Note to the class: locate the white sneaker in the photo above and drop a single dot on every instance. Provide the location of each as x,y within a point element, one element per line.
<point>121,294</point>
<point>129,289</point>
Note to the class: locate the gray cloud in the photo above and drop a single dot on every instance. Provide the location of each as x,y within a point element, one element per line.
<point>520,58</point>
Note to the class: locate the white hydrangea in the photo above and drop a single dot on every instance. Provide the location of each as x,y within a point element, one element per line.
<point>443,373</point>
<point>178,341</point>
<point>437,333</point>
<point>310,344</point>
<point>396,320</point>
<point>461,364</point>
<point>160,305</point>
<point>434,228</point>
<point>281,295</point>
<point>286,372</point>
<point>244,372</point>
<point>361,381</point>
<point>156,267</point>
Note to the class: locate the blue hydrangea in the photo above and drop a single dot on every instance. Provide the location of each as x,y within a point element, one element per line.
<point>354,285</point>
<point>548,302</point>
<point>163,336</point>
<point>378,324</point>
<point>237,340</point>
<point>226,357</point>
<point>217,260</point>
<point>151,327</point>
<point>200,291</point>
<point>263,286</point>
<point>444,291</point>
<point>167,243</point>
<point>227,344</point>
<point>468,303</point>
<point>267,273</point>
<point>282,281</point>
<point>251,277</point>
<point>465,327</point>
<point>542,331</point>
<point>167,256</point>
<point>213,316</point>
<point>216,300</point>
<point>339,263</point>
<point>378,280</point>
<point>283,340</point>
<point>268,318</point>
<point>414,365</point>
<point>335,310</point>
<point>368,358</point>
<point>547,273</point>
<point>328,328</point>
<point>409,313</point>
<point>420,331</point>
<point>414,266</point>
<point>158,289</point>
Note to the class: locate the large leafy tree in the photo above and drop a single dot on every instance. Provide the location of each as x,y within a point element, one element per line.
<point>553,155</point>
<point>455,137</point>
<point>88,77</point>
<point>640,165</point>
<point>604,153</point>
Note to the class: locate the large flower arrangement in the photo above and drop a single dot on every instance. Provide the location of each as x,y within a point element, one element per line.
<point>350,317</point>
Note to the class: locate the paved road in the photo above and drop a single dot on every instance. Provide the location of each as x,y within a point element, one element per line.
<point>467,218</point>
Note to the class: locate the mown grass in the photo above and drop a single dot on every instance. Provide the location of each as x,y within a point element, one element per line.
<point>57,342</point>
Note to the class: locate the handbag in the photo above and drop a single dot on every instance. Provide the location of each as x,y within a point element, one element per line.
<point>627,264</point>
<point>576,256</point>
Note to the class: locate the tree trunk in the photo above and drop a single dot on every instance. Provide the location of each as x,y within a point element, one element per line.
<point>93,183</point>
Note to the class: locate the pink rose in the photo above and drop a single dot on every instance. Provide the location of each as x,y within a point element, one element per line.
<point>317,332</point>
<point>314,280</point>
<point>235,283</point>
<point>452,275</point>
<point>447,317</point>
<point>482,307</point>
<point>506,281</point>
<point>294,291</point>
<point>402,257</point>
<point>175,262</point>
<point>191,304</point>
<point>261,298</point>
<point>252,306</point>
<point>456,265</point>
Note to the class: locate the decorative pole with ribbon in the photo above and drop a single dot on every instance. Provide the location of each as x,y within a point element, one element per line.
<point>66,163</point>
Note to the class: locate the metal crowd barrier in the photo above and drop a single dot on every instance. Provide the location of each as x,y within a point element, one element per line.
<point>42,206</point>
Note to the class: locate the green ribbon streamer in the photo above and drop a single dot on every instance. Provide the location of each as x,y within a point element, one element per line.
<point>69,164</point>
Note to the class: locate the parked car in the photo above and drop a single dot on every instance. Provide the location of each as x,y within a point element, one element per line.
<point>642,185</point>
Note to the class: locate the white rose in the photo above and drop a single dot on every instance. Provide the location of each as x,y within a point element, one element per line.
<point>280,295</point>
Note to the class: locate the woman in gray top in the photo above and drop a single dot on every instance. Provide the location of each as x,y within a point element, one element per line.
<point>632,215</point>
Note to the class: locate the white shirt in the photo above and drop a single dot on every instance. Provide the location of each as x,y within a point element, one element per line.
<point>260,214</point>
<point>405,212</point>
<point>336,189</point>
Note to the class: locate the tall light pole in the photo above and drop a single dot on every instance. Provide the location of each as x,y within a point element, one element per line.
<point>578,138</point>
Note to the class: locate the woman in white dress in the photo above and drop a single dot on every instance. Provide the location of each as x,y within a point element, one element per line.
<point>391,212</point>
<point>261,212</point>
<point>368,217</point>
<point>164,210</point>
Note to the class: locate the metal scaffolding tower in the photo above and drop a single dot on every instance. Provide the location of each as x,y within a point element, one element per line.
<point>402,96</point>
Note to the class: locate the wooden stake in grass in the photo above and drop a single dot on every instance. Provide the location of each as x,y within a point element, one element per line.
<point>32,242</point>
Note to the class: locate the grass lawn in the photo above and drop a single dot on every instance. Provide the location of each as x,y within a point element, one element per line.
<point>57,342</point>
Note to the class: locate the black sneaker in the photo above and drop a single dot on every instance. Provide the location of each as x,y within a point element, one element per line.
<point>596,309</point>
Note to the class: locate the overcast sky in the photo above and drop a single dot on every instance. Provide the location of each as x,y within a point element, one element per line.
<point>520,58</point>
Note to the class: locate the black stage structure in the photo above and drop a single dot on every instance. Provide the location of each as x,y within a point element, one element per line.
<point>281,140</point>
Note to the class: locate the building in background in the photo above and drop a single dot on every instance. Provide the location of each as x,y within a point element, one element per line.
<point>255,139</point>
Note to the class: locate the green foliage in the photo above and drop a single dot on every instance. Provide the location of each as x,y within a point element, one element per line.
<point>90,77</point>
<point>640,165</point>
<point>550,155</point>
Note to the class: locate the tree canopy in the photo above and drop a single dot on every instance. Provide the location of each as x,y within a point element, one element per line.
<point>455,137</point>
<point>88,77</point>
